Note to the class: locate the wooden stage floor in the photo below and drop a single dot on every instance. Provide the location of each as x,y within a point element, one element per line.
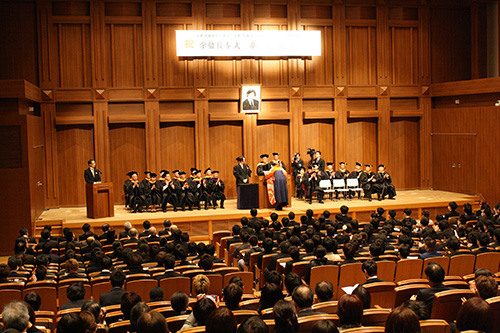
<point>201,223</point>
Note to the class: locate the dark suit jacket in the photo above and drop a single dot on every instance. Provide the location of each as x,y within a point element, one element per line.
<point>242,173</point>
<point>72,276</point>
<point>426,295</point>
<point>153,239</point>
<point>112,297</point>
<point>169,274</point>
<point>321,163</point>
<point>248,106</point>
<point>430,254</point>
<point>89,178</point>
<point>308,312</point>
<point>372,280</point>
<point>73,304</point>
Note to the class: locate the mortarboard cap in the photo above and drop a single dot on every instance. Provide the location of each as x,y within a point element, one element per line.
<point>215,171</point>
<point>381,166</point>
<point>153,174</point>
<point>329,163</point>
<point>358,164</point>
<point>264,155</point>
<point>207,169</point>
<point>131,173</point>
<point>163,172</point>
<point>175,171</point>
<point>182,173</point>
<point>368,165</point>
<point>276,154</point>
<point>342,163</point>
<point>146,172</point>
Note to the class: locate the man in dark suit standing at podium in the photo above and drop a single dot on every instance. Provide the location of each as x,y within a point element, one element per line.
<point>241,171</point>
<point>92,175</point>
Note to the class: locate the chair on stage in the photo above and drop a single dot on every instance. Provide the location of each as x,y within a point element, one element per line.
<point>462,264</point>
<point>353,185</point>
<point>173,284</point>
<point>489,260</point>
<point>382,294</point>
<point>408,269</point>
<point>447,303</point>
<point>339,186</point>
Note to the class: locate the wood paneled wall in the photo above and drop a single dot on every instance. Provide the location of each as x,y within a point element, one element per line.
<point>110,77</point>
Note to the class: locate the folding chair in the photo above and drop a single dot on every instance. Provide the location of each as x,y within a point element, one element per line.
<point>353,185</point>
<point>447,303</point>
<point>217,236</point>
<point>339,186</point>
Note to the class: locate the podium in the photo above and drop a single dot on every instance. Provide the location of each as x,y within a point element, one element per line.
<point>263,197</point>
<point>100,202</point>
<point>248,196</point>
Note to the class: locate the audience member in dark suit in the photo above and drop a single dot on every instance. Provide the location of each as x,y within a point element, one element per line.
<point>236,236</point>
<point>105,229</point>
<point>132,237</point>
<point>284,247</point>
<point>76,295</point>
<point>324,291</point>
<point>166,225</point>
<point>453,245</point>
<point>430,249</point>
<point>72,269</point>
<point>294,253</point>
<point>45,238</point>
<point>345,218</point>
<point>320,260</point>
<point>483,239</point>
<point>435,273</point>
<point>86,233</point>
<point>106,265</point>
<point>267,244</point>
<point>146,225</point>
<point>114,296</point>
<point>303,298</point>
<point>153,235</point>
<point>135,264</point>
<point>245,227</point>
<point>349,253</point>
<point>124,234</point>
<point>452,210</point>
<point>169,263</point>
<point>254,219</point>
<point>408,219</point>
<point>255,248</point>
<point>369,269</point>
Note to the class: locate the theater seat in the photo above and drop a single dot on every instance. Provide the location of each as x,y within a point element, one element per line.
<point>171,285</point>
<point>494,303</point>
<point>326,307</point>
<point>447,303</point>
<point>120,327</point>
<point>375,317</point>
<point>370,329</point>
<point>307,323</point>
<point>435,326</point>
<point>405,292</point>
<point>175,323</point>
<point>382,294</point>
<point>241,315</point>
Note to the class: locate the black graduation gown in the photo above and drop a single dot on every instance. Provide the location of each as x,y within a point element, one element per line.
<point>157,192</point>
<point>218,191</point>
<point>365,181</point>
<point>261,167</point>
<point>296,165</point>
<point>136,195</point>
<point>169,195</point>
<point>383,185</point>
<point>147,192</point>
<point>126,185</point>
<point>194,188</point>
<point>186,194</point>
<point>339,174</point>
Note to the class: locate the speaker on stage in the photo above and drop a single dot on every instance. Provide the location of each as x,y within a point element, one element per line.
<point>248,196</point>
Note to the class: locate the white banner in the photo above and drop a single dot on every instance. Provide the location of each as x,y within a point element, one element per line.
<point>252,43</point>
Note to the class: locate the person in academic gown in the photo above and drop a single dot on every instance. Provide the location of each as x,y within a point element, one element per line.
<point>207,187</point>
<point>297,164</point>
<point>319,161</point>
<point>91,174</point>
<point>330,172</point>
<point>218,190</point>
<point>135,191</point>
<point>203,192</point>
<point>156,192</point>
<point>276,186</point>
<point>126,185</point>
<point>146,184</point>
<point>276,159</point>
<point>383,184</point>
<point>194,187</point>
<point>299,183</point>
<point>241,171</point>
<point>263,165</point>
<point>188,197</point>
<point>168,192</point>
<point>366,180</point>
<point>312,179</point>
<point>356,174</point>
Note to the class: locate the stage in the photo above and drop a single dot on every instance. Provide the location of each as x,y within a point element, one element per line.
<point>200,224</point>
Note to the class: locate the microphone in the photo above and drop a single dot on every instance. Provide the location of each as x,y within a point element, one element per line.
<point>98,171</point>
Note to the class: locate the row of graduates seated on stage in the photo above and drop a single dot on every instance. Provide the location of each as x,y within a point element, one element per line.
<point>307,182</point>
<point>178,190</point>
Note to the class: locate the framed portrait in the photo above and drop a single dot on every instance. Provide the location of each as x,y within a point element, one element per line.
<point>250,99</point>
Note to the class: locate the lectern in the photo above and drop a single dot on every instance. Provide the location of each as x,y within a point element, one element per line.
<point>100,200</point>
<point>263,196</point>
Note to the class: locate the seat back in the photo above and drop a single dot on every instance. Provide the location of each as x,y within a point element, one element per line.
<point>447,303</point>
<point>386,270</point>
<point>49,296</point>
<point>175,323</point>
<point>120,327</point>
<point>63,297</point>
<point>326,307</point>
<point>307,323</point>
<point>141,287</point>
<point>489,260</point>
<point>366,329</point>
<point>166,311</point>
<point>350,274</point>
<point>251,304</point>
<point>215,284</point>
<point>402,293</point>
<point>494,303</point>
<point>462,264</point>
<point>338,183</point>
<point>246,277</point>
<point>197,329</point>
<point>325,183</point>
<point>435,326</point>
<point>217,235</point>
<point>9,295</point>
<point>267,313</point>
<point>300,268</point>
<point>443,261</point>
<point>375,317</point>
<point>324,273</point>
<point>173,284</point>
<point>12,286</point>
<point>408,269</point>
<point>100,288</point>
<point>241,315</point>
<point>158,304</point>
<point>226,270</point>
<point>382,294</point>
<point>352,182</point>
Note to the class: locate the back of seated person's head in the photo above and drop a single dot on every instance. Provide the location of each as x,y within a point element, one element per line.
<point>200,248</point>
<point>184,237</point>
<point>270,294</point>
<point>350,311</point>
<point>160,258</point>
<point>179,302</point>
<point>349,250</point>
<point>46,248</point>
<point>309,213</point>
<point>483,238</point>
<point>41,272</point>
<point>210,249</point>
<point>369,267</point>
<point>303,219</point>
<point>254,324</point>
<point>330,245</point>
<point>257,227</point>
<point>136,312</point>
<point>15,315</point>
<point>294,252</point>
<point>309,245</point>
<point>133,232</point>
<point>192,249</point>
<point>152,322</point>
<point>324,326</point>
<point>316,239</point>
<point>71,323</point>
<point>377,248</point>
<point>418,307</point>
<point>237,280</point>
<point>430,243</point>
<point>236,229</point>
<point>202,309</point>
<point>244,221</point>
<point>392,213</point>
<point>364,296</point>
<point>435,272</point>
<point>20,247</point>
<point>93,307</point>
<point>475,315</point>
<point>324,291</point>
<point>75,291</point>
<point>402,319</point>
<point>156,294</point>
<point>273,277</point>
<point>320,252</point>
<point>245,236</point>
<point>169,261</point>
<point>176,233</point>
<point>486,286</point>
<point>267,243</point>
<point>117,278</point>
<point>404,251</point>
<point>354,225</point>
<point>284,247</point>
<point>253,212</point>
<point>135,260</point>
<point>206,262</point>
<point>344,209</point>
<point>482,271</point>
<point>253,240</point>
<point>285,317</point>
<point>146,224</point>
<point>201,283</point>
<point>45,234</point>
<point>221,320</point>
<point>4,271</point>
<point>407,211</point>
<point>33,299</point>
<point>106,263</point>
<point>232,295</point>
<point>89,321</point>
<point>303,296</point>
<point>292,280</point>
<point>128,300</point>
<point>453,244</point>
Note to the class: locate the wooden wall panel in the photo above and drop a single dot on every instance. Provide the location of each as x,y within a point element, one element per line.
<point>404,153</point>
<point>177,146</point>
<point>361,142</point>
<point>174,71</point>
<point>225,72</point>
<point>479,122</point>
<point>75,146</point>
<point>404,55</point>
<point>74,52</point>
<point>319,134</point>
<point>362,55</point>
<point>273,72</point>
<point>319,70</point>
<point>226,143</point>
<point>128,152</point>
<point>274,136</point>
